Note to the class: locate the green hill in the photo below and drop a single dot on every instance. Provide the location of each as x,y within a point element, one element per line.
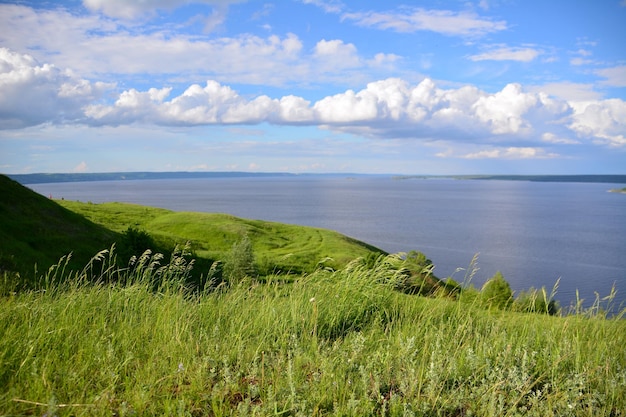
<point>277,246</point>
<point>35,230</point>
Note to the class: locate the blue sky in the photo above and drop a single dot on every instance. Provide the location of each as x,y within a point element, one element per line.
<point>429,87</point>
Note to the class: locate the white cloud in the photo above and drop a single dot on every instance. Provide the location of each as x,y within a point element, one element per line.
<point>509,110</point>
<point>446,22</point>
<point>510,153</point>
<point>550,137</point>
<point>582,55</point>
<point>578,61</point>
<point>384,109</point>
<point>584,52</point>
<point>329,6</point>
<point>506,53</point>
<point>32,93</point>
<point>615,76</point>
<point>602,121</point>
<point>82,167</point>
<point>110,49</point>
<point>126,9</point>
<point>568,91</point>
<point>335,53</point>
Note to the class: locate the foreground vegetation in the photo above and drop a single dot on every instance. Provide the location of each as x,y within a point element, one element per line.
<point>333,342</point>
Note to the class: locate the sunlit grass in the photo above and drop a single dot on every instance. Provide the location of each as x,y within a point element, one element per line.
<point>277,246</point>
<point>332,343</point>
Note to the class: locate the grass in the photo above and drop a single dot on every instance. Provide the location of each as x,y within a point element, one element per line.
<point>338,342</point>
<point>34,230</point>
<point>277,246</point>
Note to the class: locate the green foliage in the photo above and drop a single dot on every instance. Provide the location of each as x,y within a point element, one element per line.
<point>535,301</point>
<point>417,277</point>
<point>239,264</point>
<point>335,342</point>
<point>135,242</point>
<point>496,293</point>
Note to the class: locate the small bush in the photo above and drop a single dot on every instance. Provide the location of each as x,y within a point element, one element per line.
<point>239,263</point>
<point>536,301</point>
<point>496,293</point>
<point>134,243</point>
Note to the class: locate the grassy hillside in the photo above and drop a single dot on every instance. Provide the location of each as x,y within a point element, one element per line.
<point>277,246</point>
<point>35,230</point>
<point>332,343</point>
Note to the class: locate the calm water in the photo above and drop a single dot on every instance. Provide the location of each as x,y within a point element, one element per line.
<point>534,233</point>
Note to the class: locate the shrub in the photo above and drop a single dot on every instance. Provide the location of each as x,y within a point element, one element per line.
<point>496,293</point>
<point>239,263</point>
<point>134,243</point>
<point>536,301</point>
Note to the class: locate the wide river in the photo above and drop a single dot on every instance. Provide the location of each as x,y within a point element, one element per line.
<point>535,233</point>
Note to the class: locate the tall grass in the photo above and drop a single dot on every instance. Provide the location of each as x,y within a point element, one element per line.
<point>331,343</point>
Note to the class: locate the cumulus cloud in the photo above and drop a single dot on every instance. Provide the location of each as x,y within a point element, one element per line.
<point>32,93</point>
<point>197,105</point>
<point>82,167</point>
<point>602,121</point>
<point>336,52</point>
<point>389,108</point>
<point>445,22</point>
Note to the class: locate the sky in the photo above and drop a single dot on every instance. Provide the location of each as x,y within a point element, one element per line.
<point>313,86</point>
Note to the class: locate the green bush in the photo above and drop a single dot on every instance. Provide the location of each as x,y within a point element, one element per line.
<point>536,301</point>
<point>134,243</point>
<point>239,263</point>
<point>496,293</point>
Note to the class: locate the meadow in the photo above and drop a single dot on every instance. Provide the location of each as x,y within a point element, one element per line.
<point>343,336</point>
<point>332,342</point>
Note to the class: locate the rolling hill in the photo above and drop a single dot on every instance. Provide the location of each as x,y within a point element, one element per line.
<point>35,230</point>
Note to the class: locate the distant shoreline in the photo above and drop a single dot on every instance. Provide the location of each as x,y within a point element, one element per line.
<point>41,178</point>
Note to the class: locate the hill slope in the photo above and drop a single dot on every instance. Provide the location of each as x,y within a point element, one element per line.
<point>35,230</point>
<point>277,246</point>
